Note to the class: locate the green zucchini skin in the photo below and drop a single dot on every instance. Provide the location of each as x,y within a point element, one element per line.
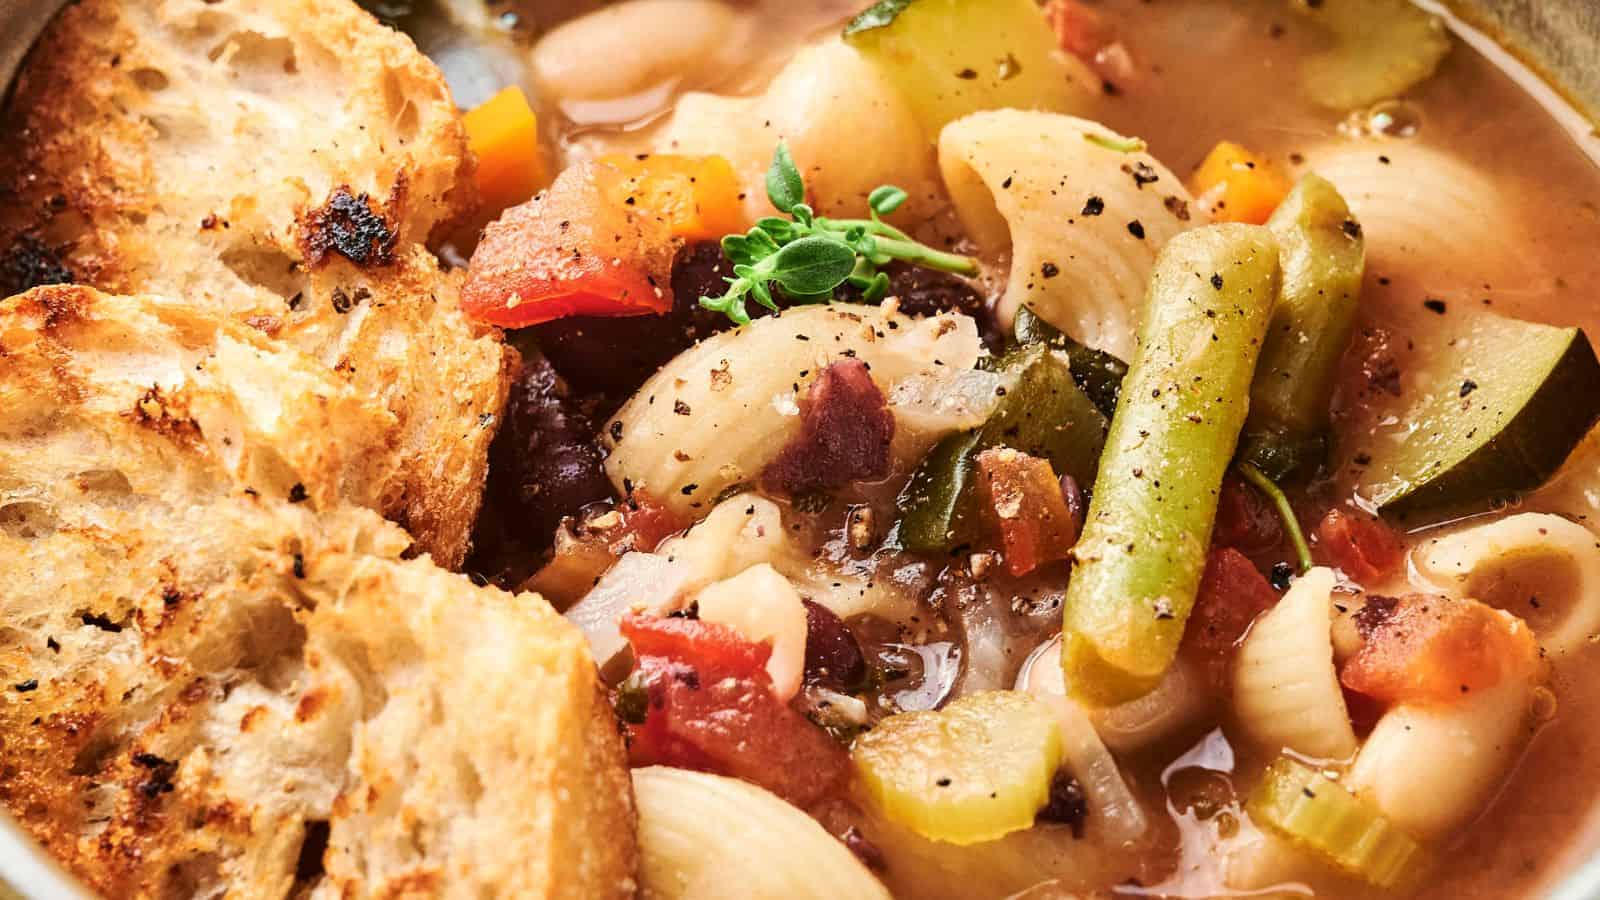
<point>1535,396</point>
<point>1323,257</point>
<point>1183,403</point>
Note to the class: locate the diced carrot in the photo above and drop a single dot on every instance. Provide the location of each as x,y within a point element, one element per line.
<point>698,196</point>
<point>1358,545</point>
<point>1430,649</point>
<point>503,133</point>
<point>1232,594</point>
<point>1239,186</point>
<point>1024,504</point>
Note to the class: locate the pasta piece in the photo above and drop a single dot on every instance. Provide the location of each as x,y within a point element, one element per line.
<point>1432,222</point>
<point>596,58</point>
<point>762,606</point>
<point>1431,769</point>
<point>1175,703</point>
<point>706,837</point>
<point>1549,567</point>
<point>825,91</point>
<point>1286,691</point>
<point>718,413</point>
<point>1083,219</point>
<point>1114,809</point>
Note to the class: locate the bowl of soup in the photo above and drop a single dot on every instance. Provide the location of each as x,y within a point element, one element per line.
<point>692,448</point>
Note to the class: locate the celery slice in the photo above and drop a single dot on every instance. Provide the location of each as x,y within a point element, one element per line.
<point>1325,818</point>
<point>974,771</point>
<point>955,57</point>
<point>1381,48</point>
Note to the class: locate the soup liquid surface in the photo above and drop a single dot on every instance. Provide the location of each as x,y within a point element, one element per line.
<point>1207,71</point>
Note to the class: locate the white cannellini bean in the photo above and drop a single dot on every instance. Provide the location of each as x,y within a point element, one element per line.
<point>763,607</point>
<point>624,49</point>
<point>1431,769</point>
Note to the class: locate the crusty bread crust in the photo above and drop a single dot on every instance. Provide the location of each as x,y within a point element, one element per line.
<point>283,162</point>
<point>210,689</point>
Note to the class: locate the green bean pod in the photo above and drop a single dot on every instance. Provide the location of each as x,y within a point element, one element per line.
<point>1323,261</point>
<point>1184,400</point>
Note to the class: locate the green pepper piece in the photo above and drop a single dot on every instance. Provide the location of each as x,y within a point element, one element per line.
<point>1155,499</point>
<point>1323,261</point>
<point>1096,372</point>
<point>931,517</point>
<point>1044,414</point>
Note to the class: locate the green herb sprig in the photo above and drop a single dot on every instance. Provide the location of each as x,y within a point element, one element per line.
<point>809,256</point>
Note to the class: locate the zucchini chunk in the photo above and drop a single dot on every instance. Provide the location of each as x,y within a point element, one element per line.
<point>1518,398</point>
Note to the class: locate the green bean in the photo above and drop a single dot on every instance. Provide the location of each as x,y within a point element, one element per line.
<point>1139,561</point>
<point>1323,262</point>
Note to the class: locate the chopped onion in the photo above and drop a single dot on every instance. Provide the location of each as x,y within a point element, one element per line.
<point>642,581</point>
<point>1114,809</point>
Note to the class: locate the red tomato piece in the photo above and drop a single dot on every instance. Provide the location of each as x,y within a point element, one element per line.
<point>1026,507</point>
<point>1431,649</point>
<point>1245,520</point>
<point>710,707</point>
<point>1232,594</point>
<point>570,252</point>
<point>1358,545</point>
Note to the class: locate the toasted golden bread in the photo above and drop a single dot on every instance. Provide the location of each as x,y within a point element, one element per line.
<point>283,162</point>
<point>213,690</point>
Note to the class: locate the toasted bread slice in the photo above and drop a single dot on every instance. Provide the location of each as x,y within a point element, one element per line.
<point>212,690</point>
<point>283,162</point>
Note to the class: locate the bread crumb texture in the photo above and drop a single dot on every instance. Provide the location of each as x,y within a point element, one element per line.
<point>283,163</point>
<point>214,681</point>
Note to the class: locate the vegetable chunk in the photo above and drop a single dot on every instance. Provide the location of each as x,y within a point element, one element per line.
<point>1503,411</point>
<point>1183,402</point>
<point>974,771</point>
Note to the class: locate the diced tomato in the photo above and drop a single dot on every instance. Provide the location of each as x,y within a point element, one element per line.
<point>1358,545</point>
<point>710,707</point>
<point>1232,594</point>
<point>1431,649</point>
<point>583,552</point>
<point>1024,505</point>
<point>1245,520</point>
<point>503,134</point>
<point>570,251</point>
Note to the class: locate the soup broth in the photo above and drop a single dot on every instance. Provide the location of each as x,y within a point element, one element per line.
<point>1513,236</point>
